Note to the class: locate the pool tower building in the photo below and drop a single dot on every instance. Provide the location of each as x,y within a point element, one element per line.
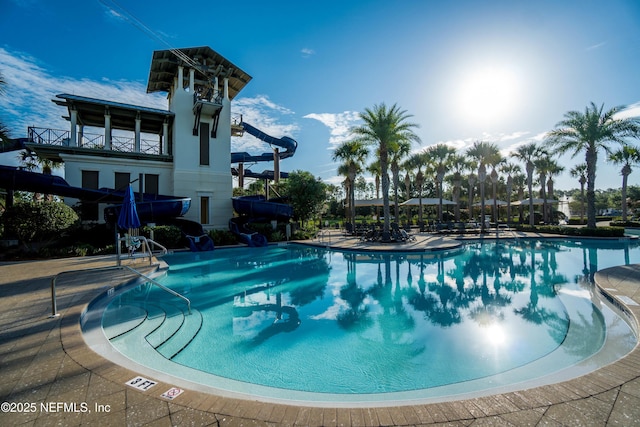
<point>183,151</point>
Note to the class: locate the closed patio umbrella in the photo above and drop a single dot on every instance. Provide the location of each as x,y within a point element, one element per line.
<point>128,220</point>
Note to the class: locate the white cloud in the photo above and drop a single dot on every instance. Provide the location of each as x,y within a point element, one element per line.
<point>632,110</point>
<point>339,125</point>
<point>306,52</point>
<point>30,87</point>
<point>263,114</point>
<point>595,46</point>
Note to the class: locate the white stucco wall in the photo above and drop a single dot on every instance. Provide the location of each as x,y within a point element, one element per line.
<point>107,168</point>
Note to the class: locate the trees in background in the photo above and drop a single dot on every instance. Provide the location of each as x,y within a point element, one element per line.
<point>386,129</point>
<point>626,156</point>
<point>590,132</point>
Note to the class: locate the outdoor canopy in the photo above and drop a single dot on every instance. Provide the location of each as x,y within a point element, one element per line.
<point>489,202</point>
<point>535,202</point>
<point>427,201</point>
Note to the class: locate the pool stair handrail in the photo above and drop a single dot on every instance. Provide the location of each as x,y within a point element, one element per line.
<point>147,245</point>
<point>54,305</point>
<point>320,235</point>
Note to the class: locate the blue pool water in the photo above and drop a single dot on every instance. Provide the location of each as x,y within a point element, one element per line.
<point>308,320</point>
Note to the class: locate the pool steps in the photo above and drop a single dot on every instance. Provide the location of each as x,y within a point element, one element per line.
<point>154,324</point>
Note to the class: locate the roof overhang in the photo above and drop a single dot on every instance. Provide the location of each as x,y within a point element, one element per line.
<point>207,62</point>
<point>91,112</point>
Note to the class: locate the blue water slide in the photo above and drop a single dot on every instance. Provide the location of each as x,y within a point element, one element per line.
<point>151,208</point>
<point>290,145</point>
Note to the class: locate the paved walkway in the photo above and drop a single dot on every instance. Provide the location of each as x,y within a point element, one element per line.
<point>48,375</point>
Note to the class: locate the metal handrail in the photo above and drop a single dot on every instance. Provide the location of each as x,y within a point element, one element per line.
<point>161,286</point>
<point>54,305</point>
<point>320,235</point>
<point>147,247</point>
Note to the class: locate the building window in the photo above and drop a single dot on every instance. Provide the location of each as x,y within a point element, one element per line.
<point>204,144</point>
<point>204,210</point>
<point>151,183</point>
<point>89,210</point>
<point>122,180</point>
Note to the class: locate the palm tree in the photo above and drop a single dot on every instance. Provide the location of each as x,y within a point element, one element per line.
<point>440,154</point>
<point>510,169</point>
<point>527,154</point>
<point>458,163</point>
<point>580,171</point>
<point>590,132</point>
<point>485,153</point>
<point>627,156</point>
<point>374,169</point>
<point>554,170</point>
<point>401,151</point>
<point>496,160</point>
<point>4,132</point>
<point>543,165</point>
<point>385,128</point>
<point>519,182</point>
<point>418,161</point>
<point>352,154</point>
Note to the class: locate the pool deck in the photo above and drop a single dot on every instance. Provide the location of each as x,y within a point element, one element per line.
<point>44,360</point>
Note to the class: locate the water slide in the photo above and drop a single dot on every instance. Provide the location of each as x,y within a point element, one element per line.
<point>151,207</point>
<point>289,145</point>
<point>256,208</point>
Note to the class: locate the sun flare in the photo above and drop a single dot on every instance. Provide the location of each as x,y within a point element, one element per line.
<point>487,95</point>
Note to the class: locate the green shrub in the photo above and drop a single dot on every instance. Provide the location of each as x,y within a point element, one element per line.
<point>277,236</point>
<point>624,224</point>
<point>571,231</point>
<point>223,237</point>
<point>168,236</point>
<point>38,221</point>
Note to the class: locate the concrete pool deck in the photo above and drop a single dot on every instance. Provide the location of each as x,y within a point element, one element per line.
<point>49,376</point>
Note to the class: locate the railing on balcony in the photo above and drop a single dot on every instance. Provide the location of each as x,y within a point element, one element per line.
<point>120,143</point>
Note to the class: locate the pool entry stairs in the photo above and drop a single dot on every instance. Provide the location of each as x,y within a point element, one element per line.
<point>151,321</point>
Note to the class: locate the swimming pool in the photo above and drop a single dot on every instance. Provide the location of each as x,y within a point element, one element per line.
<point>312,324</point>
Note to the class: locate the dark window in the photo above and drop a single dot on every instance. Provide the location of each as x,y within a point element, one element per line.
<point>204,210</point>
<point>204,144</point>
<point>89,210</point>
<point>122,180</point>
<point>151,183</point>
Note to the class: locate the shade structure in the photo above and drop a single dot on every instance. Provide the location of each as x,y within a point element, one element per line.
<point>128,217</point>
<point>489,202</point>
<point>426,201</point>
<point>535,202</point>
<point>370,202</point>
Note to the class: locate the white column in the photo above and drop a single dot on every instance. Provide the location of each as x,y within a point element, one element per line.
<point>107,130</point>
<point>165,137</point>
<point>80,135</point>
<point>192,79</point>
<point>73,137</point>
<point>216,87</point>
<point>136,144</point>
<point>180,78</point>
<point>226,88</point>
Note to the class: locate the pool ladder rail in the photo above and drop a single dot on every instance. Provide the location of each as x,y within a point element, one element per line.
<point>146,244</point>
<point>54,305</point>
<point>321,234</point>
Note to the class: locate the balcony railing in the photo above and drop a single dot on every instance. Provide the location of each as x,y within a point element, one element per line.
<point>123,144</point>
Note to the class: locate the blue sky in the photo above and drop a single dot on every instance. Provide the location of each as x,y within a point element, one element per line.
<point>498,71</point>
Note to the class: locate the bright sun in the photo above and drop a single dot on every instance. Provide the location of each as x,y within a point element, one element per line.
<point>487,95</point>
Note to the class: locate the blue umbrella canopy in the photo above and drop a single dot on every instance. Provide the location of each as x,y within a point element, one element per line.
<point>128,217</point>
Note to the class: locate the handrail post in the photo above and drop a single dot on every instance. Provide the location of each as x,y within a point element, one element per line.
<point>54,304</point>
